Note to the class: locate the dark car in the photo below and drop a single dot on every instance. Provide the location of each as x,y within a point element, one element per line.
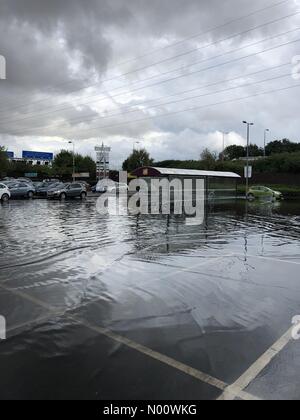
<point>75,190</point>
<point>21,190</point>
<point>42,190</point>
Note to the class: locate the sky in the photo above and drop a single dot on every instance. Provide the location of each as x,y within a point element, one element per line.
<point>172,75</point>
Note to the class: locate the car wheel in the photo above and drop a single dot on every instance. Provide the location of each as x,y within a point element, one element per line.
<point>5,198</point>
<point>30,195</point>
<point>251,197</point>
<point>83,196</point>
<point>62,196</point>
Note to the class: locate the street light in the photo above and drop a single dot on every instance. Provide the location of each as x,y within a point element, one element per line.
<point>136,143</point>
<point>224,136</point>
<point>265,140</point>
<point>73,176</point>
<point>248,143</point>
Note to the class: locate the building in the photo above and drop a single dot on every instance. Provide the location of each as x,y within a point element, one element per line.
<point>33,158</point>
<point>218,185</point>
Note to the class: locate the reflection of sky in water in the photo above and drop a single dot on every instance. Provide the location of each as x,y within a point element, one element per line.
<point>194,292</point>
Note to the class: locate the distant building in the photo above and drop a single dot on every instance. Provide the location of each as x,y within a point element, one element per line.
<point>33,158</point>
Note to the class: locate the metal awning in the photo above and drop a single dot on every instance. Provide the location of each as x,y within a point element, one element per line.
<point>157,172</point>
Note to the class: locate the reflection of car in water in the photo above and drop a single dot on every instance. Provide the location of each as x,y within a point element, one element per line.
<point>263,193</point>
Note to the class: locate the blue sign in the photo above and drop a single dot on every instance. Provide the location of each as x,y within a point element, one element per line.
<point>31,175</point>
<point>37,155</point>
<point>10,155</point>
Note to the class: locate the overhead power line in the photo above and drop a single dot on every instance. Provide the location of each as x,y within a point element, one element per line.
<point>37,115</point>
<point>271,6</point>
<point>130,110</point>
<point>193,108</point>
<point>167,59</point>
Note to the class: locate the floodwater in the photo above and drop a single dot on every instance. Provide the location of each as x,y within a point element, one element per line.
<point>120,307</point>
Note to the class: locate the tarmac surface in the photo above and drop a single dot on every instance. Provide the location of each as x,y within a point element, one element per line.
<point>149,307</point>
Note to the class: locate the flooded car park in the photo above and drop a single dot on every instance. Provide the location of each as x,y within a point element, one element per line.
<point>149,307</point>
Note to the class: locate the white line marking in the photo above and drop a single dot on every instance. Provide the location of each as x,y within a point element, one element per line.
<point>234,390</point>
<point>188,370</point>
<point>269,259</point>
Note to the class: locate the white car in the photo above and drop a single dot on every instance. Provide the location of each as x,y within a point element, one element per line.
<point>116,188</point>
<point>4,193</point>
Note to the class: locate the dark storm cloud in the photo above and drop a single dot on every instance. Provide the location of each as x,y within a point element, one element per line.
<point>55,47</point>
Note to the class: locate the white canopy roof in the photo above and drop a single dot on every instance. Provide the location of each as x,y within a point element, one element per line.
<point>191,172</point>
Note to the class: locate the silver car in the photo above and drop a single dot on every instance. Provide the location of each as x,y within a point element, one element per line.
<point>21,190</point>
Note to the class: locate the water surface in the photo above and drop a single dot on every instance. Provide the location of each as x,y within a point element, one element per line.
<point>214,296</point>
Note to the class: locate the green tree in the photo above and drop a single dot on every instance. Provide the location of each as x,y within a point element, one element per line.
<point>234,152</point>
<point>208,159</point>
<point>282,146</point>
<point>63,164</point>
<point>3,161</point>
<point>137,159</point>
<point>254,150</point>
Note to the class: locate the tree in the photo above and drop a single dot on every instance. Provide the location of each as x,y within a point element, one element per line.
<point>234,152</point>
<point>3,161</point>
<point>63,164</point>
<point>254,150</point>
<point>208,158</point>
<point>282,146</point>
<point>137,159</point>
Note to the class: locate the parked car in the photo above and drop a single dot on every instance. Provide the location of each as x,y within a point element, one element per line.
<point>116,188</point>
<point>42,190</point>
<point>86,185</point>
<point>264,192</point>
<point>9,183</point>
<point>119,188</point>
<point>4,193</point>
<point>98,188</point>
<point>74,190</point>
<point>21,190</point>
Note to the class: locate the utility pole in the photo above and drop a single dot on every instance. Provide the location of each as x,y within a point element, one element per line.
<point>224,136</point>
<point>265,140</point>
<point>248,144</point>
<point>73,176</point>
<point>134,143</point>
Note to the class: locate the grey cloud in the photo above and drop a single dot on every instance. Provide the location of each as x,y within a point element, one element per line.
<point>55,47</point>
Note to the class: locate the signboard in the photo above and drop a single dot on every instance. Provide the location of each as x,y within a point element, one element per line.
<point>249,172</point>
<point>37,155</point>
<point>82,175</point>
<point>31,175</point>
<point>102,160</point>
<point>102,149</point>
<point>10,155</point>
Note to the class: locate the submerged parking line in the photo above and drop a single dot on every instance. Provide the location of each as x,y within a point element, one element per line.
<point>235,390</point>
<point>175,364</point>
<point>188,370</point>
<point>269,259</point>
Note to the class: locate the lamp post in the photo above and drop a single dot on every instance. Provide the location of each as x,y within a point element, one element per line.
<point>224,137</point>
<point>248,143</point>
<point>73,176</point>
<point>265,140</point>
<point>136,143</point>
